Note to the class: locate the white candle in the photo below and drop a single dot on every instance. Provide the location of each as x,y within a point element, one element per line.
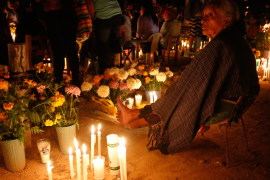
<point>93,141</point>
<point>131,101</point>
<point>99,170</point>
<point>121,162</point>
<point>112,143</point>
<point>154,96</point>
<point>49,169</point>
<point>85,162</point>
<point>138,100</point>
<point>124,157</point>
<point>99,140</point>
<point>78,159</point>
<point>151,97</point>
<point>71,163</point>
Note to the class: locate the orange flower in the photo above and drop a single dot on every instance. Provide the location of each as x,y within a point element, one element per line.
<point>3,116</point>
<point>147,79</point>
<point>107,75</point>
<point>7,75</point>
<point>145,73</point>
<point>97,79</point>
<point>68,79</point>
<point>30,82</point>
<point>32,96</point>
<point>42,98</point>
<point>167,68</point>
<point>56,93</point>
<point>258,53</point>
<point>39,65</point>
<point>253,49</point>
<point>8,106</point>
<point>50,70</point>
<point>141,67</point>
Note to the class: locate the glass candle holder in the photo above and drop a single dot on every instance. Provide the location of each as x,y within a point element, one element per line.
<point>44,148</point>
<point>99,167</point>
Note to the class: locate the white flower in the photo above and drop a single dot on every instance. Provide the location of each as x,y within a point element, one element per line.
<point>169,73</point>
<point>161,77</point>
<point>86,86</point>
<point>154,71</point>
<point>134,64</point>
<point>103,91</point>
<point>88,78</point>
<point>114,70</point>
<point>138,83</point>
<point>122,74</point>
<point>132,71</point>
<point>131,83</point>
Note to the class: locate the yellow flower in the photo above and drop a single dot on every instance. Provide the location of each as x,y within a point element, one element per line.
<point>141,67</point>
<point>167,68</point>
<point>145,73</point>
<point>52,109</point>
<point>39,65</point>
<point>258,53</point>
<point>3,84</point>
<point>147,79</point>
<point>68,79</point>
<point>58,116</point>
<point>59,99</point>
<point>8,106</point>
<point>30,82</point>
<point>48,122</point>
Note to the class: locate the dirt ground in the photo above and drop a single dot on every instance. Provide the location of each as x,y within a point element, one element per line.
<point>203,159</point>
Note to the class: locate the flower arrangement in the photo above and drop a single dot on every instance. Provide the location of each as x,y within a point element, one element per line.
<point>58,104</point>
<point>15,110</point>
<point>262,39</point>
<point>111,84</point>
<point>151,78</point>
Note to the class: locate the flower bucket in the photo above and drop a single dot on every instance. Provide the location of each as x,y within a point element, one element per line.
<point>14,154</point>
<point>66,137</point>
<point>147,95</point>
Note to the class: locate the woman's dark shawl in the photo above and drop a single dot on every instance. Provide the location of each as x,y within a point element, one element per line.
<point>225,68</point>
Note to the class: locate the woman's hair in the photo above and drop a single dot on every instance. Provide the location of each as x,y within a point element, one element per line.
<point>149,11</point>
<point>228,8</point>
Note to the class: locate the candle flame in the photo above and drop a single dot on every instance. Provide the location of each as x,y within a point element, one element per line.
<point>70,150</point>
<point>99,126</point>
<point>76,143</point>
<point>84,149</point>
<point>49,167</point>
<point>93,129</point>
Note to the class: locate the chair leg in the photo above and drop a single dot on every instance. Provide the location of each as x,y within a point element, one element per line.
<point>227,146</point>
<point>244,132</point>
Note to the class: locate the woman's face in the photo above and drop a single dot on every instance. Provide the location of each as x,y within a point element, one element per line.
<point>213,22</point>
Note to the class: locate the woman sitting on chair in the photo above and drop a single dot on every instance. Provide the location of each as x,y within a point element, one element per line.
<point>225,69</point>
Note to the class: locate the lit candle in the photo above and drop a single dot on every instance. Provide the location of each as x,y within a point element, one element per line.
<point>99,170</point>
<point>121,161</point>
<point>99,140</point>
<point>93,141</point>
<point>85,162</point>
<point>131,101</point>
<point>112,143</point>
<point>154,96</point>
<point>78,159</point>
<point>49,169</point>
<point>71,163</point>
<point>124,157</point>
<point>151,97</point>
<point>138,99</point>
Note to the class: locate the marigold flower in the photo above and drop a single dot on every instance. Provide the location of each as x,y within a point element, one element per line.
<point>253,49</point>
<point>52,109</point>
<point>167,68</point>
<point>58,116</point>
<point>68,79</point>
<point>32,96</point>
<point>141,67</point>
<point>3,84</point>
<point>141,106</point>
<point>107,75</point>
<point>48,122</point>
<point>145,73</point>
<point>3,116</point>
<point>258,53</point>
<point>8,106</point>
<point>147,79</point>
<point>59,99</point>
<point>39,65</point>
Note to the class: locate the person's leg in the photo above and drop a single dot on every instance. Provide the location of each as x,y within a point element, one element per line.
<point>102,31</point>
<point>70,46</point>
<point>56,36</point>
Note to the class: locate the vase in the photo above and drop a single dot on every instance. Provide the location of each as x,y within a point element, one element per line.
<point>147,95</point>
<point>14,154</point>
<point>66,137</point>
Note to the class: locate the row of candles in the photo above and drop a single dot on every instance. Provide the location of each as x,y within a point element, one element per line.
<point>117,156</point>
<point>138,100</point>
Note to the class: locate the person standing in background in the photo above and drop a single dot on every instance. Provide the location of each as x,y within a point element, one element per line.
<point>62,30</point>
<point>106,16</point>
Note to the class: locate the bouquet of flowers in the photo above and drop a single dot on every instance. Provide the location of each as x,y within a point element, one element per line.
<point>262,39</point>
<point>151,78</point>
<point>15,110</point>
<point>58,103</point>
<point>111,84</point>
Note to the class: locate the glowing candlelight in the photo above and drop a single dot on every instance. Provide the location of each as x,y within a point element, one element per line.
<point>151,98</point>
<point>138,100</point>
<point>154,97</point>
<point>49,169</point>
<point>71,163</point>
<point>99,139</point>
<point>78,159</point>
<point>85,162</point>
<point>93,141</point>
